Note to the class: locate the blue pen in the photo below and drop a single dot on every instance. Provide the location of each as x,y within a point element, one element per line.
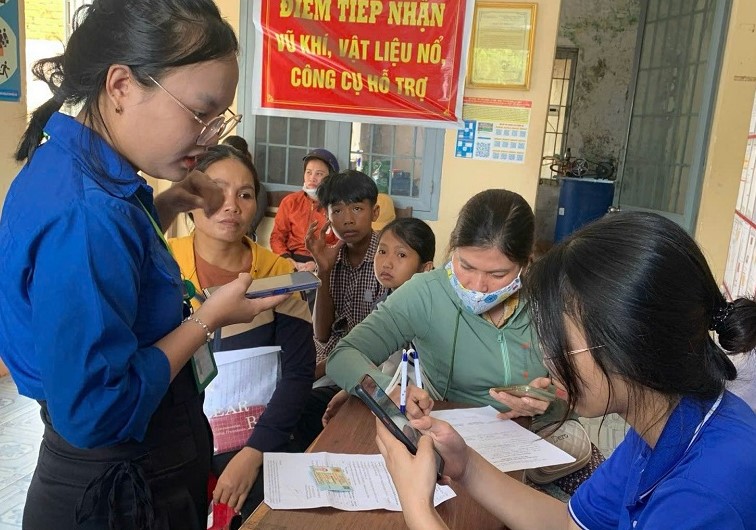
<point>403,395</point>
<point>416,359</point>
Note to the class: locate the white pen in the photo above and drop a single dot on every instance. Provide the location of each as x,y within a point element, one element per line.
<point>403,394</point>
<point>416,359</point>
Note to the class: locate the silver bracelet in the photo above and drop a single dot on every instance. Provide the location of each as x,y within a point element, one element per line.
<point>208,333</point>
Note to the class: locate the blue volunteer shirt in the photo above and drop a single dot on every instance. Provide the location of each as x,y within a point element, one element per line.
<point>86,289</point>
<point>707,484</point>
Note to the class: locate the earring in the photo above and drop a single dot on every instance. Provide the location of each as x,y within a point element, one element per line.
<point>119,109</point>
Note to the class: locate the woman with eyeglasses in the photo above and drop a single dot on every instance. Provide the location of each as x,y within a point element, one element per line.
<point>93,326</point>
<point>631,321</point>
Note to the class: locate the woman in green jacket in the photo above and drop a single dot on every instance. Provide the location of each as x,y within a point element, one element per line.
<point>467,320</point>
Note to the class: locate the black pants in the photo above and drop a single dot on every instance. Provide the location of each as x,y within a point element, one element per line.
<point>311,422</point>
<point>255,495</point>
<point>159,483</point>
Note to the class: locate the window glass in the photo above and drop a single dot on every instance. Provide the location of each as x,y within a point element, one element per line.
<point>560,102</point>
<point>390,154</point>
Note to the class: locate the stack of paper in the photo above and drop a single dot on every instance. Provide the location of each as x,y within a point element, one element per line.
<point>504,443</point>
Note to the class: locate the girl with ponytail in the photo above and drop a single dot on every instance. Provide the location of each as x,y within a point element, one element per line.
<point>90,297</point>
<point>630,321</point>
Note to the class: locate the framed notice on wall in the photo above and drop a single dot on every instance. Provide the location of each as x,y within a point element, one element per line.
<point>501,49</point>
<point>10,69</point>
<point>495,130</point>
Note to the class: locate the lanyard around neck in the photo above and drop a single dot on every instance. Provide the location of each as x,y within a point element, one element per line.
<point>189,289</point>
<point>155,226</point>
<point>693,438</point>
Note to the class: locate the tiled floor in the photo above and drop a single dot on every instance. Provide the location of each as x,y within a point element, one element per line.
<point>20,435</point>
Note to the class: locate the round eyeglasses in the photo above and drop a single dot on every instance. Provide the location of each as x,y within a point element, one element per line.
<point>214,130</point>
<point>547,359</point>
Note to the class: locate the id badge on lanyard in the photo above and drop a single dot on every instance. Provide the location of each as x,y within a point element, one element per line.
<point>204,367</point>
<point>203,360</point>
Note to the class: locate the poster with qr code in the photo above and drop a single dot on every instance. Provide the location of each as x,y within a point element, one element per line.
<point>494,129</point>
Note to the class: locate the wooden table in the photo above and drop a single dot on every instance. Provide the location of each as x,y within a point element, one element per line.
<point>352,431</point>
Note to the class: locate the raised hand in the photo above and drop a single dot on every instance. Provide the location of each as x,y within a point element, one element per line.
<point>197,190</point>
<point>324,254</point>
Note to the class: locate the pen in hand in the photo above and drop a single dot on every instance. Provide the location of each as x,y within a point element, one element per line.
<point>403,394</point>
<point>416,360</point>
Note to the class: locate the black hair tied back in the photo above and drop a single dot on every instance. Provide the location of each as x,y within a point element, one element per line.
<point>735,325</point>
<point>719,317</point>
<point>51,72</point>
<point>150,37</point>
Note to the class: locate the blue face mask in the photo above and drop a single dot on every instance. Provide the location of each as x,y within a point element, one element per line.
<point>477,302</point>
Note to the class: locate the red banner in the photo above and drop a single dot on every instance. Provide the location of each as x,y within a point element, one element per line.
<point>355,59</point>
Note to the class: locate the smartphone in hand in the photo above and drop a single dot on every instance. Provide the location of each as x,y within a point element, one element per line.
<point>282,284</point>
<point>397,423</point>
<point>544,394</point>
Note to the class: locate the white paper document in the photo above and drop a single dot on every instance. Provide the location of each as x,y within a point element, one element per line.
<point>504,443</point>
<point>289,483</point>
<point>245,377</point>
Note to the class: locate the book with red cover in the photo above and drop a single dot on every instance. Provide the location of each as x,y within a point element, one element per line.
<point>232,429</point>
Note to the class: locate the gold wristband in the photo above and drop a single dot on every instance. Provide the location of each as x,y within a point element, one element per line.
<point>208,333</point>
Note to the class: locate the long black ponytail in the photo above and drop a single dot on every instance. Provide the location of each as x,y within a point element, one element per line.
<point>147,36</point>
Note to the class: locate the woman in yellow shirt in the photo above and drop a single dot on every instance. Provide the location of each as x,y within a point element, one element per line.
<point>216,252</point>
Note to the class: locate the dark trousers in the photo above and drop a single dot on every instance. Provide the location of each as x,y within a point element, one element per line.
<point>159,483</point>
<point>255,495</point>
<point>311,422</point>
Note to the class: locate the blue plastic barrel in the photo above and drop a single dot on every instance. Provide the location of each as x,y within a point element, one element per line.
<point>581,201</point>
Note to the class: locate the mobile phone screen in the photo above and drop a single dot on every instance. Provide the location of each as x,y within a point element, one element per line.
<point>386,406</point>
<point>386,410</point>
<point>282,284</point>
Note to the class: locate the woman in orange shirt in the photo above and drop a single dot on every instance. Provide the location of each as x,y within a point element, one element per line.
<point>298,210</point>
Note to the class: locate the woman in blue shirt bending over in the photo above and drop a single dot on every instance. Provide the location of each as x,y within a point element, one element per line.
<point>624,310</point>
<point>90,298</point>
